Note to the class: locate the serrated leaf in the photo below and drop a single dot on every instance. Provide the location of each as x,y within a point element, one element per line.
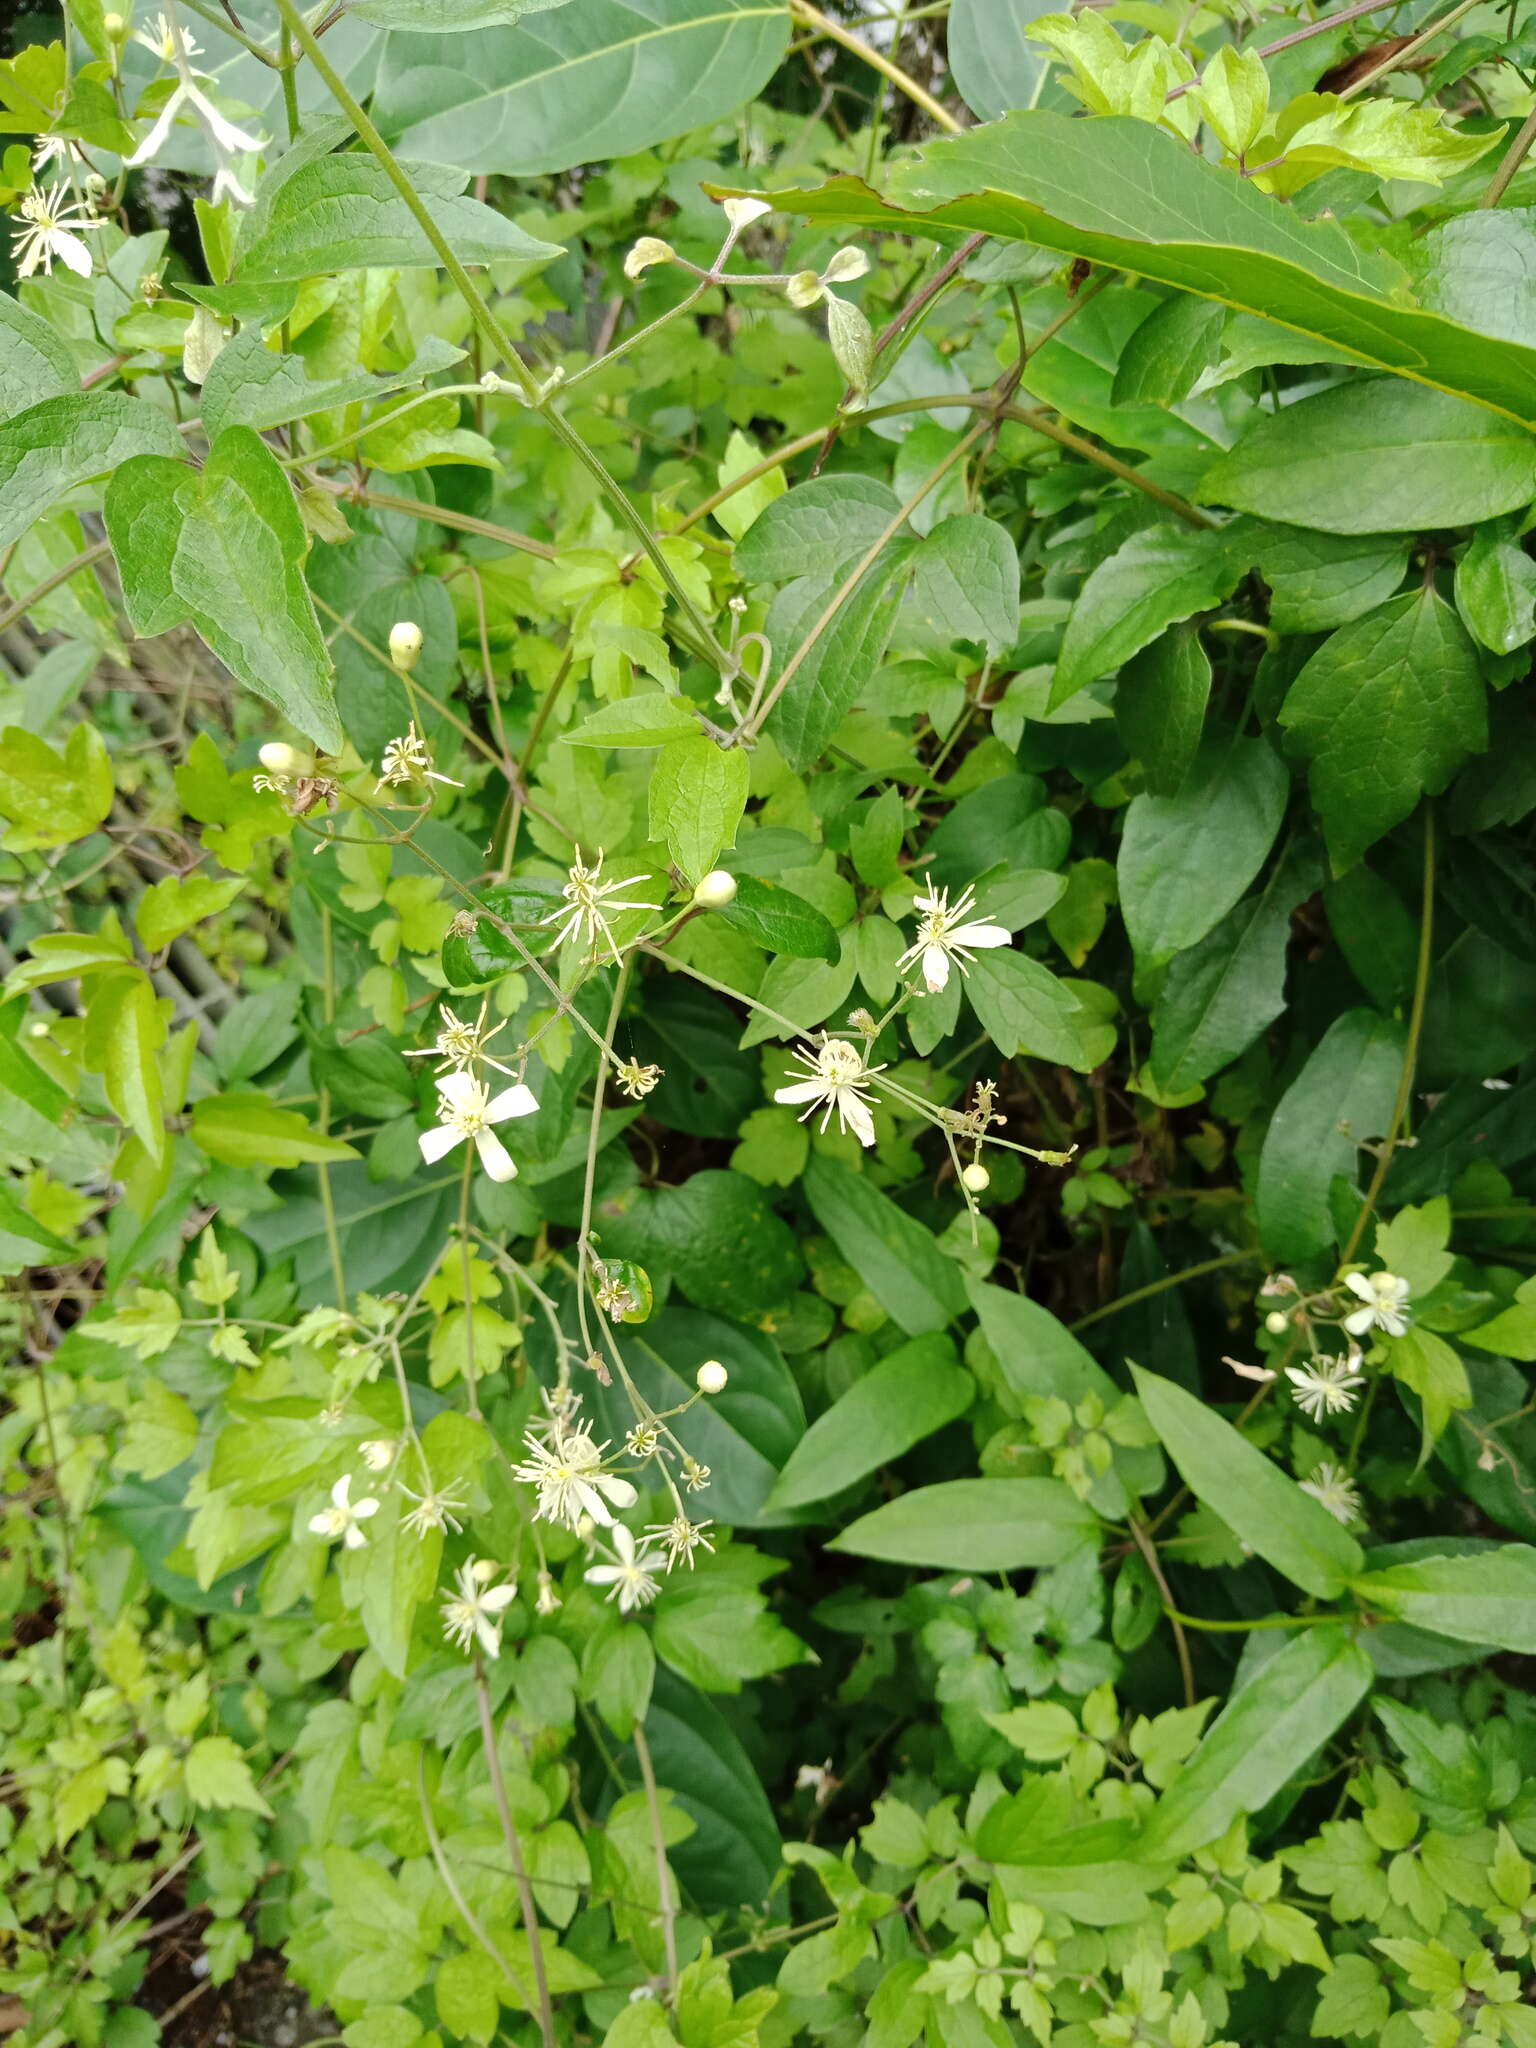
<point>780,922</point>
<point>48,449</point>
<point>52,799</point>
<point>698,794</point>
<point>1156,578</point>
<point>172,906</point>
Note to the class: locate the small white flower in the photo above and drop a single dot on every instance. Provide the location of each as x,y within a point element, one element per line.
<point>548,1600</point>
<point>166,41</point>
<point>568,1471</point>
<point>635,1081</point>
<point>378,1453</point>
<point>52,149</point>
<point>227,139</point>
<point>632,1576</point>
<point>467,1109</point>
<point>471,1612</point>
<point>589,905</point>
<point>680,1538</point>
<point>711,1377</point>
<point>343,1515</point>
<point>1331,1486</point>
<point>1386,1304</point>
<point>816,1778</point>
<point>943,934</point>
<point>434,1510</point>
<point>460,1044</point>
<point>615,1297</point>
<point>1325,1386</point>
<point>837,1079</point>
<point>50,226</point>
<point>408,759</point>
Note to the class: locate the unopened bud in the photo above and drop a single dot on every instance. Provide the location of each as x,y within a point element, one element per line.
<point>405,644</point>
<point>711,1377</point>
<point>975,1179</point>
<point>1276,1323</point>
<point>378,1453</point>
<point>649,250</point>
<point>114,27</point>
<point>483,1570</point>
<point>716,890</point>
<point>278,758</point>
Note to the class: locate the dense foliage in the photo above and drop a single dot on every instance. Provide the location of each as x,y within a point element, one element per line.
<point>770,989</point>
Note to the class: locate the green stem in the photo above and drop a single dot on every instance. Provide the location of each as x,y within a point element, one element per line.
<point>530,1913</point>
<point>323,1119</point>
<point>663,1868</point>
<point>1510,162</point>
<point>1113,1308</point>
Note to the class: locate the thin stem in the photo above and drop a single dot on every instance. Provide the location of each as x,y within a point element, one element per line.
<point>72,567</point>
<point>323,1116</point>
<point>1396,59</point>
<point>917,94</point>
<point>1510,162</point>
<point>451,1886</point>
<point>459,522</point>
<point>525,1897</point>
<point>1242,1628</point>
<point>290,86</point>
<point>1148,1549</point>
<point>663,1868</point>
<point>1113,1308</point>
<point>1410,1049</point>
<point>1305,35</point>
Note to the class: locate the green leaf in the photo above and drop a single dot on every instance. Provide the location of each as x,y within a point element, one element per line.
<point>819,527</point>
<point>1160,575</point>
<point>995,68</point>
<point>35,362</point>
<point>895,1257</point>
<point>734,1854</point>
<point>650,720</point>
<point>49,798</point>
<point>1341,1099</point>
<point>715,1231</point>
<point>1220,994</point>
<point>48,449</point>
<point>1038,1355</point>
<point>446,17</point>
<point>976,1525</point>
<point>1166,356</point>
<point>1386,711</point>
<point>225,548</point>
<point>842,660</point>
<point>618,1668</point>
<point>1024,1008</point>
<point>1259,1504</point>
<point>161,1432</point>
<point>24,1241</point>
<point>251,385</point>
<point>249,1130</point>
<point>1186,860</point>
<point>342,213</point>
<point>1129,195</point>
<point>909,1394</point>
<point>965,577</point>
<point>1488,1597</point>
<point>124,1030</point>
<point>219,1776</point>
<point>1377,456</point>
<point>1260,1741</point>
<point>1321,580</point>
<point>602,79</point>
<point>170,907</point>
<point>698,795</point>
<point>780,922</point>
<point>1160,700</point>
<point>1352,2002</point>
<point>1496,588</point>
<point>1429,1366</point>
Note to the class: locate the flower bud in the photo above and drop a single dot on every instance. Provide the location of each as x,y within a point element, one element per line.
<point>114,27</point>
<point>483,1570</point>
<point>711,1377</point>
<point>716,890</point>
<point>1276,1323</point>
<point>405,644</point>
<point>278,758</point>
<point>649,250</point>
<point>975,1179</point>
<point>378,1453</point>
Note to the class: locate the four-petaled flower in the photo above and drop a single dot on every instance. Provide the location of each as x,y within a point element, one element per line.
<point>409,759</point>
<point>945,934</point>
<point>1325,1386</point>
<point>589,903</point>
<point>467,1109</point>
<point>837,1079</point>
<point>632,1575</point>
<point>471,1612</point>
<point>50,226</point>
<point>568,1471</point>
<point>460,1044</point>
<point>343,1515</point>
<point>1332,1487</point>
<point>1386,1304</point>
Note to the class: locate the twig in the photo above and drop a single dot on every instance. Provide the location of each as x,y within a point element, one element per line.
<point>919,95</point>
<point>1148,1550</point>
<point>1510,162</point>
<point>663,1868</point>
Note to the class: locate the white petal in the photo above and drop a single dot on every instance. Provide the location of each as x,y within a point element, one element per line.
<point>72,251</point>
<point>981,935</point>
<point>341,1490</point>
<point>619,1491</point>
<point>592,1501</point>
<point>935,969</point>
<point>1360,1321</point>
<point>801,1091</point>
<point>498,1597</point>
<point>494,1156</point>
<point>490,1637</point>
<point>354,1538</point>
<point>459,1090</point>
<point>438,1142</point>
<point>231,140</point>
<point>854,1113</point>
<point>320,1525</point>
<point>362,1509</point>
<point>602,1575</point>
<point>1358,1284</point>
<point>517,1101</point>
<point>156,136</point>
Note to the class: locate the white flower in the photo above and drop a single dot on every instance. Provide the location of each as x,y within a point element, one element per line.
<point>632,1576</point>
<point>408,759</point>
<point>568,1471</point>
<point>470,1613</point>
<point>837,1079</point>
<point>589,905</point>
<point>944,935</point>
<point>227,138</point>
<point>434,1510</point>
<point>615,1296</point>
<point>1325,1386</point>
<point>680,1538</point>
<point>50,225</point>
<point>1386,1304</point>
<point>378,1454</point>
<point>467,1109</point>
<point>460,1044</point>
<point>166,41</point>
<point>51,149</point>
<point>1331,1486</point>
<point>343,1515</point>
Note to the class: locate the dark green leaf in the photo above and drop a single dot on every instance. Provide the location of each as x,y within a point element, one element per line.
<point>912,1392</point>
<point>1160,702</point>
<point>1024,1008</point>
<point>895,1257</point>
<point>844,657</point>
<point>1160,575</point>
<point>734,1854</point>
<point>976,1525</point>
<point>819,527</point>
<point>780,922</point>
<point>1164,359</point>
<point>1486,1598</point>
<point>35,364</point>
<point>251,386</point>
<point>966,581</point>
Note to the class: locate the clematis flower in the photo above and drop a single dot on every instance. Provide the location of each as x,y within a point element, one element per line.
<point>408,759</point>
<point>568,1472</point>
<point>459,1044</point>
<point>471,1613</point>
<point>632,1575</point>
<point>1326,1386</point>
<point>467,1109</point>
<point>945,934</point>
<point>1386,1304</point>
<point>836,1080</point>
<point>1333,1489</point>
<point>343,1515</point>
<point>48,228</point>
<point>590,903</point>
